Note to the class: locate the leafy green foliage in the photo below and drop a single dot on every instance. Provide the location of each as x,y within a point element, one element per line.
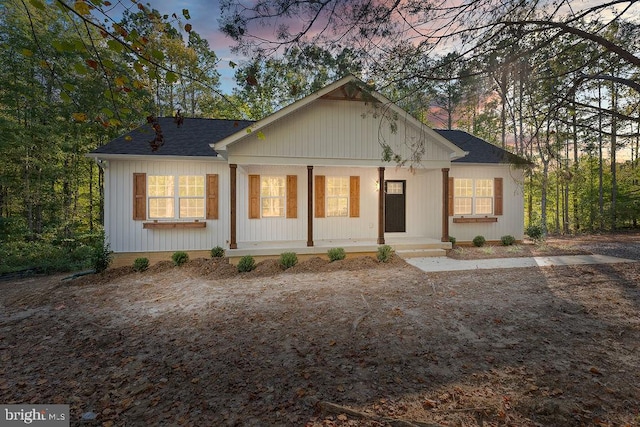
<point>479,241</point>
<point>246,264</point>
<point>179,258</point>
<point>534,232</point>
<point>288,259</point>
<point>385,253</point>
<point>217,252</point>
<point>507,240</point>
<point>452,240</point>
<point>141,264</point>
<point>101,256</point>
<point>336,254</point>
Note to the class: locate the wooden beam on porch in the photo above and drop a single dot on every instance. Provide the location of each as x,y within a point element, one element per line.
<point>309,205</point>
<point>381,206</point>
<point>233,244</point>
<point>445,204</point>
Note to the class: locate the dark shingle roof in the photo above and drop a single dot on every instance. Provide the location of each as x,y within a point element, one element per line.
<point>192,138</point>
<point>480,151</point>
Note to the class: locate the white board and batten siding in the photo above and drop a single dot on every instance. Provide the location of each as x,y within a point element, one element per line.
<point>424,217</point>
<point>335,133</point>
<point>127,235</point>
<point>512,220</point>
<point>424,201</point>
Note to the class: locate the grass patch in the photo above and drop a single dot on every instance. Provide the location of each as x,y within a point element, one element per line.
<point>488,250</point>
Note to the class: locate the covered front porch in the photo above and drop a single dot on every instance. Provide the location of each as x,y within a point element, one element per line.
<point>404,246</point>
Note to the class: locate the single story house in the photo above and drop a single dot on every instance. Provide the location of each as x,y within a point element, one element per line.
<point>325,171</point>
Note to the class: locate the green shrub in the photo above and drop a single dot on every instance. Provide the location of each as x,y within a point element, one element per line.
<point>534,232</point>
<point>452,240</point>
<point>288,259</point>
<point>141,264</point>
<point>246,264</point>
<point>101,257</point>
<point>179,258</point>
<point>217,252</point>
<point>479,241</point>
<point>385,253</point>
<point>336,254</point>
<point>81,254</point>
<point>507,240</point>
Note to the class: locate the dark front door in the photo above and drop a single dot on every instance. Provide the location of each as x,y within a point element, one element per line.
<point>395,218</point>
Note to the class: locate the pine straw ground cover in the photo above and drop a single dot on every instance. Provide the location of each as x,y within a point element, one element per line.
<point>323,344</point>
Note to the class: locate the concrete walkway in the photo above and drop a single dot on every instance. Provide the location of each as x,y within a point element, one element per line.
<point>448,264</point>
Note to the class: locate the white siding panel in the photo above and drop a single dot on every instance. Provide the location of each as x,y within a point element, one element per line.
<point>512,221</point>
<point>424,206</point>
<point>337,130</point>
<point>127,235</point>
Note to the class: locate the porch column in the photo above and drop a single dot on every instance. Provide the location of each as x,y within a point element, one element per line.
<point>309,205</point>
<point>445,205</point>
<point>233,203</point>
<point>381,206</point>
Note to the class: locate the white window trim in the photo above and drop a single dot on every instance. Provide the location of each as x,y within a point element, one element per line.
<point>283,196</point>
<point>474,197</point>
<point>176,199</point>
<point>328,197</point>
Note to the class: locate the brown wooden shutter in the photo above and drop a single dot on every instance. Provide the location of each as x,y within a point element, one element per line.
<point>497,197</point>
<point>292,196</point>
<point>450,197</point>
<point>212,196</point>
<point>354,197</point>
<point>139,196</point>
<point>254,196</point>
<point>319,199</point>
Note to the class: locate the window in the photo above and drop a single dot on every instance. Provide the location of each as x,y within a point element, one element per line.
<point>163,202</point>
<point>191,196</point>
<point>161,196</point>
<point>337,196</point>
<point>272,196</point>
<point>473,197</point>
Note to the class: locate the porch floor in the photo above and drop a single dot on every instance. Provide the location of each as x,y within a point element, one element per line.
<point>406,247</point>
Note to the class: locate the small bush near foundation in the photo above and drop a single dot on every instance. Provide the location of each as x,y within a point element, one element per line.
<point>101,256</point>
<point>141,264</point>
<point>336,254</point>
<point>479,241</point>
<point>534,232</point>
<point>385,252</point>
<point>507,240</point>
<point>246,264</point>
<point>179,258</point>
<point>288,259</point>
<point>452,240</point>
<point>217,252</point>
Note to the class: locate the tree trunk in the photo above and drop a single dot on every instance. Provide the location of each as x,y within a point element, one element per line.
<point>614,148</point>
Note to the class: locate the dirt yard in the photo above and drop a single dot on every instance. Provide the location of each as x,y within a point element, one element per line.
<point>352,343</point>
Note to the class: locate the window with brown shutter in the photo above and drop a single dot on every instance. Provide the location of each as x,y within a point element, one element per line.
<point>212,196</point>
<point>139,196</point>
<point>319,199</point>
<point>292,196</point>
<point>254,196</point>
<point>497,201</point>
<point>354,197</point>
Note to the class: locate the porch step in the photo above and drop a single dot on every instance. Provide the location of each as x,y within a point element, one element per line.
<point>421,253</point>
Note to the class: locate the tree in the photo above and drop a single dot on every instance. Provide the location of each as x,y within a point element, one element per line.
<point>268,84</point>
<point>475,28</point>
